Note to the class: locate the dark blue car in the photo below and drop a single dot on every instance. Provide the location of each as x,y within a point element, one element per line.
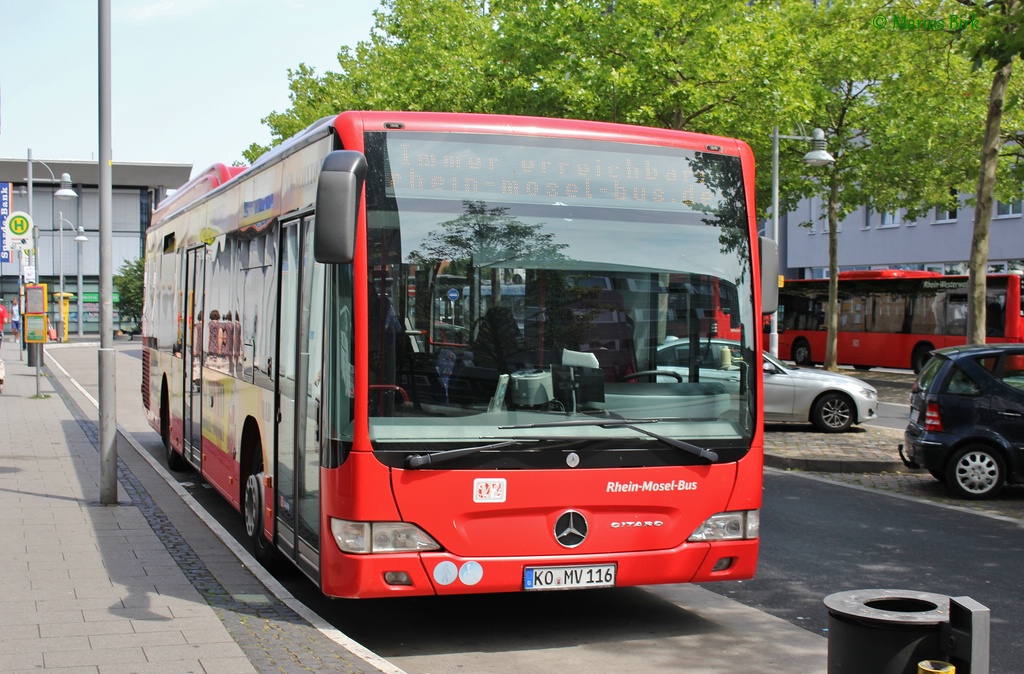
<point>967,418</point>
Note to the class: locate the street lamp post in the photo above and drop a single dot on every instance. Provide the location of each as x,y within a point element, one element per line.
<point>80,239</point>
<point>818,156</point>
<point>65,192</point>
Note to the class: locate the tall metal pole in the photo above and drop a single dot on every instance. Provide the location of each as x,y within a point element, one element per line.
<point>35,350</point>
<point>107,377</point>
<point>60,266</point>
<point>773,337</point>
<point>81,233</point>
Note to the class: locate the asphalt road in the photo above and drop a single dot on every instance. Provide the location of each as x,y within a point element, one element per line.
<point>819,537</point>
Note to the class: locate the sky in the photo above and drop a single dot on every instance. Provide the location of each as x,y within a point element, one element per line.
<point>190,79</point>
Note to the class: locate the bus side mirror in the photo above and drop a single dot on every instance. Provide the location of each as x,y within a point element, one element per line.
<point>338,192</point>
<point>769,275</point>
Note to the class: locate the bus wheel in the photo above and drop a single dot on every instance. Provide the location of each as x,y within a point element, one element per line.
<point>976,472</point>
<point>253,511</point>
<point>922,352</point>
<point>833,413</point>
<point>801,352</point>
<point>175,461</point>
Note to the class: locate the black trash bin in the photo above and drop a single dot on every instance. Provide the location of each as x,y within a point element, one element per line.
<point>36,355</point>
<point>884,631</point>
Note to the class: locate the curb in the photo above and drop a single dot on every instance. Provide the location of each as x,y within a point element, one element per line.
<point>835,465</point>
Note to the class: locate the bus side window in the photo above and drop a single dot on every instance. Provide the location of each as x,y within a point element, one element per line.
<point>994,320</point>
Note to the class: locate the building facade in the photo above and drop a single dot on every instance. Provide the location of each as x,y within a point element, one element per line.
<point>939,241</point>
<point>136,189</point>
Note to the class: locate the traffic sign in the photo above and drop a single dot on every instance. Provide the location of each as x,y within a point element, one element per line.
<point>19,225</point>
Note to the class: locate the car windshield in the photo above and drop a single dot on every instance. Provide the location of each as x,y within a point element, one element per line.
<point>548,294</point>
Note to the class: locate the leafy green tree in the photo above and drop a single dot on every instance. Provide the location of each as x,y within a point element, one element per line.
<point>708,66</point>
<point>901,108</point>
<point>129,283</point>
<point>888,99</point>
<point>993,34</point>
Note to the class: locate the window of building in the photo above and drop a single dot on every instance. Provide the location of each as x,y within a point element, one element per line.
<point>945,214</point>
<point>893,219</point>
<point>1012,209</point>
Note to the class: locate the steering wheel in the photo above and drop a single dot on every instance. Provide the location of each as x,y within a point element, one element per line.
<point>652,373</point>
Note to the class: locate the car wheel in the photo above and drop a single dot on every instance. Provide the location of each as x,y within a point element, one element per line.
<point>175,461</point>
<point>976,472</point>
<point>920,356</point>
<point>832,413</point>
<point>263,550</point>
<point>801,352</point>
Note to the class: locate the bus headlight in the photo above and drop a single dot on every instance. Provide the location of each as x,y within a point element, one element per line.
<point>378,537</point>
<point>734,526</point>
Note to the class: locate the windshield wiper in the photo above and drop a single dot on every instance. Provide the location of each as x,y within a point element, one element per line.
<point>421,460</point>
<point>708,455</point>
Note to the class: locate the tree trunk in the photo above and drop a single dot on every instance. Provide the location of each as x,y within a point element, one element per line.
<point>831,358</point>
<point>978,265</point>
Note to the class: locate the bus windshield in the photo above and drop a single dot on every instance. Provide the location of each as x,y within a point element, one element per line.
<point>516,281</point>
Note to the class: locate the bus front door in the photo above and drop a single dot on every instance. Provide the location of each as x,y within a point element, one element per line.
<point>298,456</point>
<point>192,355</point>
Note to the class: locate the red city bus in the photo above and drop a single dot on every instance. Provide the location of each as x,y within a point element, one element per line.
<point>893,318</point>
<point>418,352</point>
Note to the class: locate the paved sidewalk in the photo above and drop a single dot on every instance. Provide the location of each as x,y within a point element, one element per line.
<point>140,586</point>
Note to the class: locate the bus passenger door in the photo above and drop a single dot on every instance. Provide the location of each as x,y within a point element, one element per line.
<point>298,454</point>
<point>192,356</point>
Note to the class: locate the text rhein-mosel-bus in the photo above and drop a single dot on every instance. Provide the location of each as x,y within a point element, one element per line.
<point>426,353</point>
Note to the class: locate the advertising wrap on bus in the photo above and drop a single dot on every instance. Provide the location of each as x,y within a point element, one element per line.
<point>430,366</point>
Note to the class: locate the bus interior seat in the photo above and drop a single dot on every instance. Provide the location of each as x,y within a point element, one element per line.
<point>610,333</point>
<point>498,342</point>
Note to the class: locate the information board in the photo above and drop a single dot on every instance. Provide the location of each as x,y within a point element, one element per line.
<point>35,328</point>
<point>35,299</point>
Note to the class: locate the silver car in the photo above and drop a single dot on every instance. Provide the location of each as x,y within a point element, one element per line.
<point>831,401</point>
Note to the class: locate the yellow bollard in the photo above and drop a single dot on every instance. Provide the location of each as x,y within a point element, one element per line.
<point>935,667</point>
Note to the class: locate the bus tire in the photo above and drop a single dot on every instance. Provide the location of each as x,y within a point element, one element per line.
<point>833,413</point>
<point>920,356</point>
<point>976,472</point>
<point>801,353</point>
<point>175,461</point>
<point>252,510</point>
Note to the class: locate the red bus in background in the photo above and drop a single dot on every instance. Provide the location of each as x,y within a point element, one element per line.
<point>418,352</point>
<point>893,318</point>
